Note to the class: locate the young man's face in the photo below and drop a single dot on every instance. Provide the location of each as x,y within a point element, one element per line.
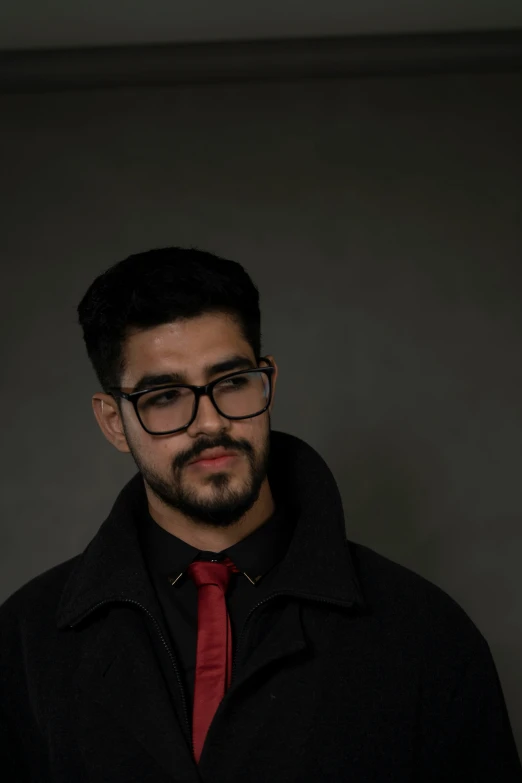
<point>196,351</point>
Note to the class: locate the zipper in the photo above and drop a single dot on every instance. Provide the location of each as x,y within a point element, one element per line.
<point>269,598</point>
<point>164,642</point>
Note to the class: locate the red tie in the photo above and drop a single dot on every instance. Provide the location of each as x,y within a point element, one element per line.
<point>214,644</point>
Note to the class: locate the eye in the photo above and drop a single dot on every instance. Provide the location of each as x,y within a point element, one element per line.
<point>238,382</point>
<point>163,398</point>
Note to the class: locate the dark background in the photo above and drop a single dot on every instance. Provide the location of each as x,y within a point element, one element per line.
<point>381,219</point>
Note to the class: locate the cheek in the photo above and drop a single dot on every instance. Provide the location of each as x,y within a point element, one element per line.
<point>155,453</point>
<point>255,431</point>
<point>165,450</point>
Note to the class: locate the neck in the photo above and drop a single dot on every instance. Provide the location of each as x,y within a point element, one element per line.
<point>204,536</point>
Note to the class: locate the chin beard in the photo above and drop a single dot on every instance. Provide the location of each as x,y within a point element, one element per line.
<point>227,506</point>
<point>225,509</point>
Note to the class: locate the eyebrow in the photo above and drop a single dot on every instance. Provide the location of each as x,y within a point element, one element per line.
<point>237,362</point>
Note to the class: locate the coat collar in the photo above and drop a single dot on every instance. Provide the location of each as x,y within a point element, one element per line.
<point>317,565</point>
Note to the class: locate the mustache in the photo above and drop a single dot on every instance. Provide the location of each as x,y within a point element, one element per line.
<point>224,441</point>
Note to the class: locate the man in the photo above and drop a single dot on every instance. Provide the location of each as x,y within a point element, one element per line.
<point>219,626</point>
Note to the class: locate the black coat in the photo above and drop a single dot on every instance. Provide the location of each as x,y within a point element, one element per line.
<point>357,670</point>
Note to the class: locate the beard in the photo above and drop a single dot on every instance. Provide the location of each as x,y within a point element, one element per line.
<point>225,506</point>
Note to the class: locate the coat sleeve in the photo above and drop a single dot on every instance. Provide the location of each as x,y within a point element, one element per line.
<point>476,742</point>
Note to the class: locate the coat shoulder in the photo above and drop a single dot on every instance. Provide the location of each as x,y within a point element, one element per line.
<point>411,602</point>
<point>40,595</point>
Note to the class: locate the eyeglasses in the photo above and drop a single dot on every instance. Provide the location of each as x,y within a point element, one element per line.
<point>171,408</point>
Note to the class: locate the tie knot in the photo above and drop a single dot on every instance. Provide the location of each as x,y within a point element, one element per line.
<point>204,572</point>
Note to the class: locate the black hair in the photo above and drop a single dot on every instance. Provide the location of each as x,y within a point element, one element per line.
<point>160,286</point>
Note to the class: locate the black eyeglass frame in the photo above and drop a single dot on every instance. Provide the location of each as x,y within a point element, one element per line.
<point>199,391</point>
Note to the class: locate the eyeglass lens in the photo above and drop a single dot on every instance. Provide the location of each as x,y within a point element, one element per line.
<point>241,395</point>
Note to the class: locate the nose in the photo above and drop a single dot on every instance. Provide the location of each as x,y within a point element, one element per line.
<point>208,421</point>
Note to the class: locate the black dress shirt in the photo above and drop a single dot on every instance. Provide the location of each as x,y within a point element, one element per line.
<point>167,558</point>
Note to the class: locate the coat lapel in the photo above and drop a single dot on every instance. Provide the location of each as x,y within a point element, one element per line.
<point>119,668</point>
<point>284,637</point>
<point>118,672</point>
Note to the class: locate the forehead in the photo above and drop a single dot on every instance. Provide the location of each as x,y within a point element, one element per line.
<point>184,346</point>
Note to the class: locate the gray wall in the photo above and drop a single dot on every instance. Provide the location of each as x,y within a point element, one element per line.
<point>381,220</point>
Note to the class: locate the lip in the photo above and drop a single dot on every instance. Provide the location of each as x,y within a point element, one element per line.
<point>214,457</point>
<point>218,463</point>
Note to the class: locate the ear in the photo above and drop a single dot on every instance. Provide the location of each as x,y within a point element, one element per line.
<point>272,362</point>
<point>109,420</point>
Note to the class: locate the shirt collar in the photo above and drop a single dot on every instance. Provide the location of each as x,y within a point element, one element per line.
<point>254,556</point>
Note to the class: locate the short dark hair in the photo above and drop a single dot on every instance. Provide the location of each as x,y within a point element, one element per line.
<point>160,286</point>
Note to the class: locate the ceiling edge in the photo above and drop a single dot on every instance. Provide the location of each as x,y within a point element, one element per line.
<point>240,61</point>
